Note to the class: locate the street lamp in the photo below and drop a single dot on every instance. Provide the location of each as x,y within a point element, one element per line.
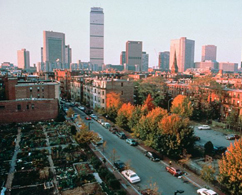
<point>178,192</point>
<point>169,104</point>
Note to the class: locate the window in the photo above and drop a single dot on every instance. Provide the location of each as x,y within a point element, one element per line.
<point>122,84</point>
<point>38,96</point>
<point>122,92</point>
<point>102,92</point>
<point>43,96</point>
<point>27,107</point>
<point>43,88</point>
<point>2,107</point>
<point>32,106</point>
<point>38,89</point>
<point>19,107</point>
<point>103,101</point>
<point>30,89</point>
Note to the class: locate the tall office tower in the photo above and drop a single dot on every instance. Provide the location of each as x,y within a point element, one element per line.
<point>209,52</point>
<point>123,57</point>
<point>97,36</point>
<point>41,50</point>
<point>134,53</point>
<point>145,62</point>
<point>164,58</point>
<point>184,49</point>
<point>23,59</point>
<point>53,47</point>
<point>68,58</point>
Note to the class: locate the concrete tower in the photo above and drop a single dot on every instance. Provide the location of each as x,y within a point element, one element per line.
<point>97,37</point>
<point>209,52</point>
<point>134,53</point>
<point>164,58</point>
<point>23,59</point>
<point>184,49</point>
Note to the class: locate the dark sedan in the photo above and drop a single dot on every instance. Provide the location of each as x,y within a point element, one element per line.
<point>119,165</point>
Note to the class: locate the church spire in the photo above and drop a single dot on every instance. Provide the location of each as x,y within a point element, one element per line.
<point>174,67</point>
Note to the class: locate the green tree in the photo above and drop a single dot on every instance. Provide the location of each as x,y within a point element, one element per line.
<point>155,86</point>
<point>182,106</point>
<point>207,173</point>
<point>208,147</point>
<point>135,117</point>
<point>124,115</point>
<point>230,168</point>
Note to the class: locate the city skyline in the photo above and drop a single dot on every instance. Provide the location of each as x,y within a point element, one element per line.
<point>155,24</point>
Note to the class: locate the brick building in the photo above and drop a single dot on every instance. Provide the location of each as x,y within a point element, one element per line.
<point>27,101</point>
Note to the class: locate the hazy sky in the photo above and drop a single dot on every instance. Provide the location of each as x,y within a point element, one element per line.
<point>154,22</point>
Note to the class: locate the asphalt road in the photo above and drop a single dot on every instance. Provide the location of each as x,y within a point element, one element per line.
<point>217,138</point>
<point>149,172</point>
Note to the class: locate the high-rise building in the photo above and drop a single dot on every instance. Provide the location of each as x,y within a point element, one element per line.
<point>123,57</point>
<point>97,36</point>
<point>53,47</point>
<point>134,53</point>
<point>209,52</point>
<point>145,62</point>
<point>68,58</point>
<point>184,49</point>
<point>164,58</point>
<point>23,59</point>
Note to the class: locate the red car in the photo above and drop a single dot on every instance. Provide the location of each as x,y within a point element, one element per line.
<point>88,118</point>
<point>173,171</point>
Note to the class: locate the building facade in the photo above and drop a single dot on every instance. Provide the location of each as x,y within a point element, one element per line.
<point>123,57</point>
<point>184,50</point>
<point>164,58</point>
<point>208,64</point>
<point>134,53</point>
<point>95,90</point>
<point>209,52</point>
<point>23,59</point>
<point>53,47</point>
<point>145,62</point>
<point>97,36</point>
<point>228,66</point>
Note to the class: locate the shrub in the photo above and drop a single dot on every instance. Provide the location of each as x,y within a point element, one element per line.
<point>114,183</point>
<point>96,163</point>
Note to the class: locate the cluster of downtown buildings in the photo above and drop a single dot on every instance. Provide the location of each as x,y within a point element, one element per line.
<point>35,96</point>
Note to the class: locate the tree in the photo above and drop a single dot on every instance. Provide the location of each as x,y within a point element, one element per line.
<point>230,168</point>
<point>208,147</point>
<point>182,106</point>
<point>113,104</point>
<point>176,135</point>
<point>207,173</point>
<point>148,103</point>
<point>85,137</point>
<point>73,130</point>
<point>135,117</point>
<point>147,128</point>
<point>155,86</point>
<point>124,115</point>
<point>70,112</point>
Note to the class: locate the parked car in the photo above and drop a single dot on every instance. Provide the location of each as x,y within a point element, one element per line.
<point>219,149</point>
<point>88,111</point>
<point>152,156</point>
<point>204,127</point>
<point>131,176</point>
<point>205,191</point>
<point>173,171</point>
<point>113,129</point>
<point>81,108</point>
<point>132,142</point>
<point>119,165</point>
<point>99,140</point>
<point>100,121</point>
<point>232,136</point>
<point>88,118</point>
<point>106,125</point>
<point>72,105</point>
<point>121,135</point>
<point>94,116</point>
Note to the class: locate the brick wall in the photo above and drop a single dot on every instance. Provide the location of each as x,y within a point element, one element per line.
<point>28,110</point>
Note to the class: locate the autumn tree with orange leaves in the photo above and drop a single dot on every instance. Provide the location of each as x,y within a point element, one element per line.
<point>182,106</point>
<point>230,168</point>
<point>176,135</point>
<point>113,103</point>
<point>147,127</point>
<point>124,115</point>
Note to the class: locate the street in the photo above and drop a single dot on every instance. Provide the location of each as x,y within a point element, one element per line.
<point>149,172</point>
